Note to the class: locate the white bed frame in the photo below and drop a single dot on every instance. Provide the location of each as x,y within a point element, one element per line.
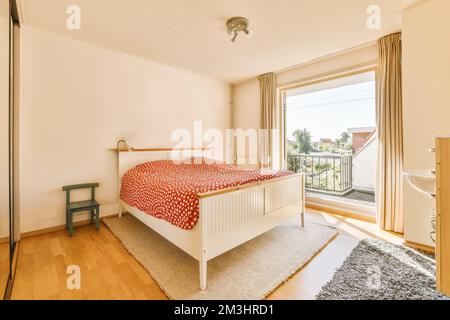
<point>228,217</point>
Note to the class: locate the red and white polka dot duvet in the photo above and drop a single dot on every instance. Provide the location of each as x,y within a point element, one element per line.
<point>167,190</point>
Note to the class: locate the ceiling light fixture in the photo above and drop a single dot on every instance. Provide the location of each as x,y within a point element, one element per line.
<point>236,25</point>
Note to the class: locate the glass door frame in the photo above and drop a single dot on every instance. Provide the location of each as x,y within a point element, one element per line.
<point>282,94</point>
<point>13,233</point>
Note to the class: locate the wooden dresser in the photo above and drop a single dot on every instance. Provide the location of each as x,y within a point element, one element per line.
<point>443,214</point>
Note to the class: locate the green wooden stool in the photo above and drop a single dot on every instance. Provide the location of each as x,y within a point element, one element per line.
<point>89,205</point>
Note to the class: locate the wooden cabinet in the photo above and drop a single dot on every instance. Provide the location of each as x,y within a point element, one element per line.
<point>443,215</point>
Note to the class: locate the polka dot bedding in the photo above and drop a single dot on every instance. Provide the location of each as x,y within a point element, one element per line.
<point>168,190</point>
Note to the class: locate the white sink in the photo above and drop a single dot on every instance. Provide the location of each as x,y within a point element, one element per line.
<point>422,180</point>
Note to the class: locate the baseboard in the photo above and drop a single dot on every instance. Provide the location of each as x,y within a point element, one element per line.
<point>341,213</point>
<point>40,232</point>
<point>419,246</point>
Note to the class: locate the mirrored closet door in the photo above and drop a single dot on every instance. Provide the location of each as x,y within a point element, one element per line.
<point>5,256</point>
<point>9,72</point>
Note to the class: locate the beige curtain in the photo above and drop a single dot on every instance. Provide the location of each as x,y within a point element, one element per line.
<point>267,83</point>
<point>390,133</point>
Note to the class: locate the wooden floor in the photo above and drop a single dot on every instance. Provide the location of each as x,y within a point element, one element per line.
<point>4,267</point>
<point>110,272</point>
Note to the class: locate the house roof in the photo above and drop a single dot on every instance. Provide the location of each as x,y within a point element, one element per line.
<point>361,130</point>
<point>371,138</point>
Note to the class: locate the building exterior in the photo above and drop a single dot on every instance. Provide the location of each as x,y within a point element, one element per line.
<point>360,136</point>
<point>365,152</point>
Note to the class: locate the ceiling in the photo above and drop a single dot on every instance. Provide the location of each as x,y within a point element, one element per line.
<point>191,34</point>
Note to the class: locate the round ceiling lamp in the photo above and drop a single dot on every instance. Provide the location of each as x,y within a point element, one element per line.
<point>238,25</point>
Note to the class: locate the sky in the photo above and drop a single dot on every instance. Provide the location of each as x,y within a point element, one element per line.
<point>328,113</point>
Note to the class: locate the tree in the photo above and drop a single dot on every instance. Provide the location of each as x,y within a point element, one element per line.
<point>327,147</point>
<point>302,142</point>
<point>344,137</point>
<point>343,142</point>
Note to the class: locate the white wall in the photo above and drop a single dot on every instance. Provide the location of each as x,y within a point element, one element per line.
<point>247,116</point>
<point>247,104</point>
<point>365,167</point>
<point>426,76</point>
<point>77,100</point>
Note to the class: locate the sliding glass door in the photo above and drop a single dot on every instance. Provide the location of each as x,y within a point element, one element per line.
<point>330,135</point>
<point>5,256</point>
<point>9,231</point>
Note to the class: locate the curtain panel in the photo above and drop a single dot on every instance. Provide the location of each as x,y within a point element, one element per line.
<point>268,102</point>
<point>390,134</point>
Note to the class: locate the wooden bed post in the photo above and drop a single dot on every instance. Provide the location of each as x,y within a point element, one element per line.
<point>119,206</point>
<point>203,262</point>
<point>119,178</point>
<point>120,210</point>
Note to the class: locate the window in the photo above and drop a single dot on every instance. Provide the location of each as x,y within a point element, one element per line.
<point>331,136</point>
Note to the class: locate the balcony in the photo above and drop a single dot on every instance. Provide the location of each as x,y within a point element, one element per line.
<point>324,173</point>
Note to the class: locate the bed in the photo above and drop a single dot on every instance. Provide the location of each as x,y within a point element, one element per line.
<point>225,216</point>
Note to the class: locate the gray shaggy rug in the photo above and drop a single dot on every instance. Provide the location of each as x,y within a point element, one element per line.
<point>377,270</point>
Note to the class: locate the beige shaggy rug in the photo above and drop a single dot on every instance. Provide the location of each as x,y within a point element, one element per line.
<point>249,272</point>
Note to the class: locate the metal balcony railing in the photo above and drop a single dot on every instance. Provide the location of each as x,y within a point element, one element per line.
<point>331,173</point>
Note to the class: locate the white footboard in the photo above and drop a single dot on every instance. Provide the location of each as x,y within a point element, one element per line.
<point>229,218</point>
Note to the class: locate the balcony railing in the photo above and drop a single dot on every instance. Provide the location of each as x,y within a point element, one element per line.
<point>331,173</point>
